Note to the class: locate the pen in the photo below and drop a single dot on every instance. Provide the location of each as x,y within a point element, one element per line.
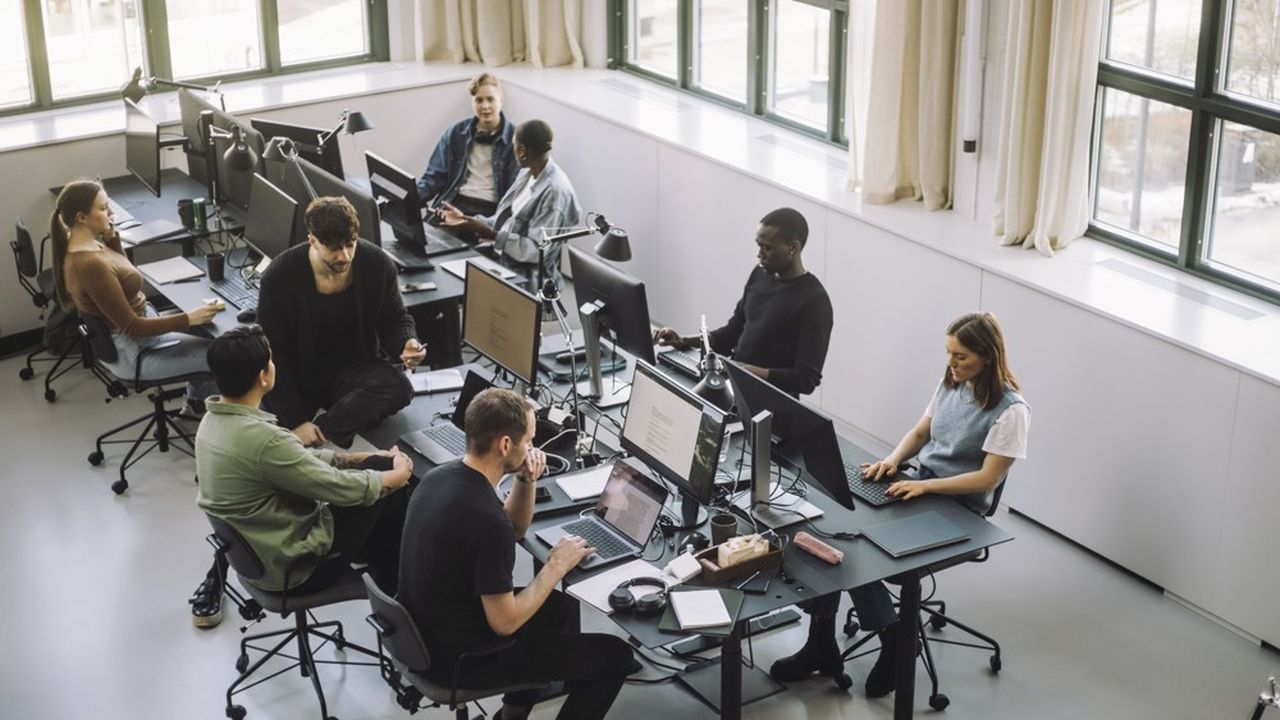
<point>746,582</point>
<point>186,280</point>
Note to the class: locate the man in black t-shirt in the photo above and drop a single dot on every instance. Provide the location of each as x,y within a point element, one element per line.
<point>457,556</point>
<point>781,327</point>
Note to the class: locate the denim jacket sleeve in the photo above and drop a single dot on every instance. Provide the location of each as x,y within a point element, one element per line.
<point>440,167</point>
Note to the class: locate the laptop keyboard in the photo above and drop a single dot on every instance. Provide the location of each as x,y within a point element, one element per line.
<point>442,245</point>
<point>684,362</point>
<point>448,437</point>
<point>405,257</point>
<point>607,546</point>
<point>873,493</point>
<point>236,291</point>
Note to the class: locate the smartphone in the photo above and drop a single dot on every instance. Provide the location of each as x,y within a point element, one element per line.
<point>408,287</point>
<point>542,494</point>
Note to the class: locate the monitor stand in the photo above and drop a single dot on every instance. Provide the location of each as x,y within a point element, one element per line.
<point>594,388</point>
<point>764,503</point>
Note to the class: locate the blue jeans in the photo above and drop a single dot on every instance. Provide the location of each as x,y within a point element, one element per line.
<point>166,355</point>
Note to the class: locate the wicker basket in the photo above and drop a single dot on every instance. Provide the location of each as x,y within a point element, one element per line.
<point>713,574</point>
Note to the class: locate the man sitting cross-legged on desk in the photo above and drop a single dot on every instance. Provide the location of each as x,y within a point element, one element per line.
<point>781,327</point>
<point>457,558</point>
<point>334,315</point>
<point>293,506</point>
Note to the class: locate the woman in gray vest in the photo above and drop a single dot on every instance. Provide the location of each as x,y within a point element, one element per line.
<point>975,426</point>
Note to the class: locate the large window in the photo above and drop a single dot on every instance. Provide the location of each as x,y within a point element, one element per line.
<point>56,52</point>
<point>1187,137</point>
<point>780,59</point>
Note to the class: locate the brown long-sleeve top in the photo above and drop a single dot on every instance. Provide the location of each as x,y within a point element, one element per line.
<point>103,283</point>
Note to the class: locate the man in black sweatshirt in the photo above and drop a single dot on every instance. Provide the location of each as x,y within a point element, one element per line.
<point>781,327</point>
<point>332,311</point>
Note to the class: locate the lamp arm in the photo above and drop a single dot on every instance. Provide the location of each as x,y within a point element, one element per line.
<point>161,82</point>
<point>311,191</point>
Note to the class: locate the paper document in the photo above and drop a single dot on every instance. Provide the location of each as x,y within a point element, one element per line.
<point>171,270</point>
<point>458,268</point>
<point>358,444</point>
<point>595,590</point>
<point>585,484</point>
<point>700,608</point>
<point>435,381</point>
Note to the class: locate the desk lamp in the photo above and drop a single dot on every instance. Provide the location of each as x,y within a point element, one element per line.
<point>282,149</point>
<point>138,87</point>
<point>714,385</point>
<point>349,123</point>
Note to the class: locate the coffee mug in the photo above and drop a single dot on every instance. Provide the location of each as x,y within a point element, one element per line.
<point>214,266</point>
<point>723,527</point>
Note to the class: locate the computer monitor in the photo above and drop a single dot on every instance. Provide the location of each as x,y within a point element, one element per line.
<point>270,226</point>
<point>232,187</point>
<point>502,322</point>
<point>624,308</point>
<point>190,105</point>
<point>674,432</point>
<point>397,194</point>
<point>306,140</point>
<point>288,177</point>
<point>142,146</point>
<point>803,432</point>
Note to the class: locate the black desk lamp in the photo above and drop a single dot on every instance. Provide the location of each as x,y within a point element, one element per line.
<point>138,86</point>
<point>349,123</point>
<point>282,149</point>
<point>714,385</point>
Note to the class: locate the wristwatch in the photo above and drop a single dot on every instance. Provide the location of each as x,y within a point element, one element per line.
<point>525,480</point>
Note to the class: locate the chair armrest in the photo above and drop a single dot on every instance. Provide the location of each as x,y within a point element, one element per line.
<point>40,258</point>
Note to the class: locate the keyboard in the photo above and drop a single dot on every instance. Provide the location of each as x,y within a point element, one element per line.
<point>405,257</point>
<point>606,544</point>
<point>872,493</point>
<point>443,242</point>
<point>236,291</point>
<point>685,362</point>
<point>448,437</point>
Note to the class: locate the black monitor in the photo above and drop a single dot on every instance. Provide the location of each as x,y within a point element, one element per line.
<point>190,105</point>
<point>397,194</point>
<point>803,432</point>
<point>624,308</point>
<point>287,176</point>
<point>306,140</point>
<point>674,432</point>
<point>269,228</point>
<point>232,187</point>
<point>502,322</point>
<point>142,146</point>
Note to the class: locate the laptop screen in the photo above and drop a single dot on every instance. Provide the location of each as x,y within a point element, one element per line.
<point>631,502</point>
<point>471,387</point>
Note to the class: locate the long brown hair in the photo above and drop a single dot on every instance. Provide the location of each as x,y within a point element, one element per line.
<point>980,332</point>
<point>77,197</point>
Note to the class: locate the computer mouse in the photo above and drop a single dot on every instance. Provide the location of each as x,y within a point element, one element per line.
<point>247,315</point>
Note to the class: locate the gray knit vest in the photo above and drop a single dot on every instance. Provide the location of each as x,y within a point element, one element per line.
<point>957,430</point>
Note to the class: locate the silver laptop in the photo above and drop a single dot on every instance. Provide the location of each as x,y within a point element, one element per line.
<point>620,525</point>
<point>447,441</point>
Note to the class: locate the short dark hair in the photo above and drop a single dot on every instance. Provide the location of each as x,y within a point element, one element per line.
<point>493,413</point>
<point>236,357</point>
<point>790,223</point>
<point>332,221</point>
<point>535,136</point>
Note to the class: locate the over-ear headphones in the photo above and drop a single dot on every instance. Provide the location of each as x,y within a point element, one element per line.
<point>647,605</point>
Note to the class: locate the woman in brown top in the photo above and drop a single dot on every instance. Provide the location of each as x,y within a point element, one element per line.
<point>92,273</point>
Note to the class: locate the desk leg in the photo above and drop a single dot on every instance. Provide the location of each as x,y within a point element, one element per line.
<point>731,675</point>
<point>908,629</point>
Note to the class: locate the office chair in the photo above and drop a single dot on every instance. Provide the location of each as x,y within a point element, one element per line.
<point>936,610</point>
<point>248,566</point>
<point>408,660</point>
<point>59,343</point>
<point>161,429</point>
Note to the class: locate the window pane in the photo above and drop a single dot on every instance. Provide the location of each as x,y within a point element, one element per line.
<point>93,45</point>
<point>1142,166</point>
<point>1253,64</point>
<point>15,71</point>
<point>212,38</point>
<point>1161,35</point>
<point>654,36</point>
<point>799,52</point>
<point>721,46</point>
<point>1246,201</point>
<point>321,29</point>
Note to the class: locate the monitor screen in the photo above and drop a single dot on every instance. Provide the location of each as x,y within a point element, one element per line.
<point>625,307</point>
<point>631,501</point>
<point>288,177</point>
<point>502,322</point>
<point>307,141</point>
<point>272,214</point>
<point>397,194</point>
<point>142,146</point>
<point>190,104</point>
<point>674,432</point>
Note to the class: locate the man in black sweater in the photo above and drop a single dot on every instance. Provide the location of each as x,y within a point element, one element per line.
<point>334,316</point>
<point>781,327</point>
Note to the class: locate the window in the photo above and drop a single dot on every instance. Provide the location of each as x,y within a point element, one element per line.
<point>1187,137</point>
<point>58,52</point>
<point>782,60</point>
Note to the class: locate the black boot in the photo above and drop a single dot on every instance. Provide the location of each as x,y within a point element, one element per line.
<point>820,653</point>
<point>883,676</point>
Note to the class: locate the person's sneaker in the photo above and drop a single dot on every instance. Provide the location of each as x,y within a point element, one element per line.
<point>883,676</point>
<point>206,604</point>
<point>821,657</point>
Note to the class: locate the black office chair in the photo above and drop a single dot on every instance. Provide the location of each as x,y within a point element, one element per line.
<point>59,345</point>
<point>936,610</point>
<point>161,429</point>
<point>248,566</point>
<point>408,660</point>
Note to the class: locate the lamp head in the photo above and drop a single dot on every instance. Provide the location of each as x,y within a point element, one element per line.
<point>135,89</point>
<point>355,122</point>
<point>240,157</point>
<point>714,386</point>
<point>279,149</point>
<point>614,246</point>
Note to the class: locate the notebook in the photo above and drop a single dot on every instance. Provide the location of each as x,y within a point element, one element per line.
<point>732,600</point>
<point>914,534</point>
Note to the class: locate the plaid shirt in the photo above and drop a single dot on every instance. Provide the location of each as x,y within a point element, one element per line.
<point>553,205</point>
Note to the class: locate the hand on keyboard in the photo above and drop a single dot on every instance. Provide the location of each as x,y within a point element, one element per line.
<point>907,489</point>
<point>567,553</point>
<point>877,471</point>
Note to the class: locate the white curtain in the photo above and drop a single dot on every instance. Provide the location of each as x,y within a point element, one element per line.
<point>1046,116</point>
<point>908,143</point>
<point>498,32</point>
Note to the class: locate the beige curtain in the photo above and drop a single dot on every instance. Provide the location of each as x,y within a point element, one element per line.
<point>1046,116</point>
<point>498,32</point>
<point>908,142</point>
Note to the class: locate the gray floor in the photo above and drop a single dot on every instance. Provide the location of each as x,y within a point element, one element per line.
<point>96,623</point>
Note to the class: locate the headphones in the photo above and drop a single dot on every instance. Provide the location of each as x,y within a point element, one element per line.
<point>647,605</point>
<point>485,138</point>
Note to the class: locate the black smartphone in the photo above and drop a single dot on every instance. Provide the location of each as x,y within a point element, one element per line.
<point>758,585</point>
<point>542,494</point>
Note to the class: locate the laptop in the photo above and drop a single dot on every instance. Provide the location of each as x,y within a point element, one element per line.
<point>620,525</point>
<point>914,533</point>
<point>447,441</point>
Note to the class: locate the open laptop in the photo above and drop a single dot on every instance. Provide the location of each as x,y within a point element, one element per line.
<point>447,441</point>
<point>620,525</point>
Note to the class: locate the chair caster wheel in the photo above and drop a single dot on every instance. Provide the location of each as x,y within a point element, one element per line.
<point>26,373</point>
<point>50,395</point>
<point>937,622</point>
<point>251,610</point>
<point>851,628</point>
<point>995,663</point>
<point>235,712</point>
<point>95,458</point>
<point>339,641</point>
<point>843,681</point>
<point>939,701</point>
<point>242,663</point>
<point>118,487</point>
